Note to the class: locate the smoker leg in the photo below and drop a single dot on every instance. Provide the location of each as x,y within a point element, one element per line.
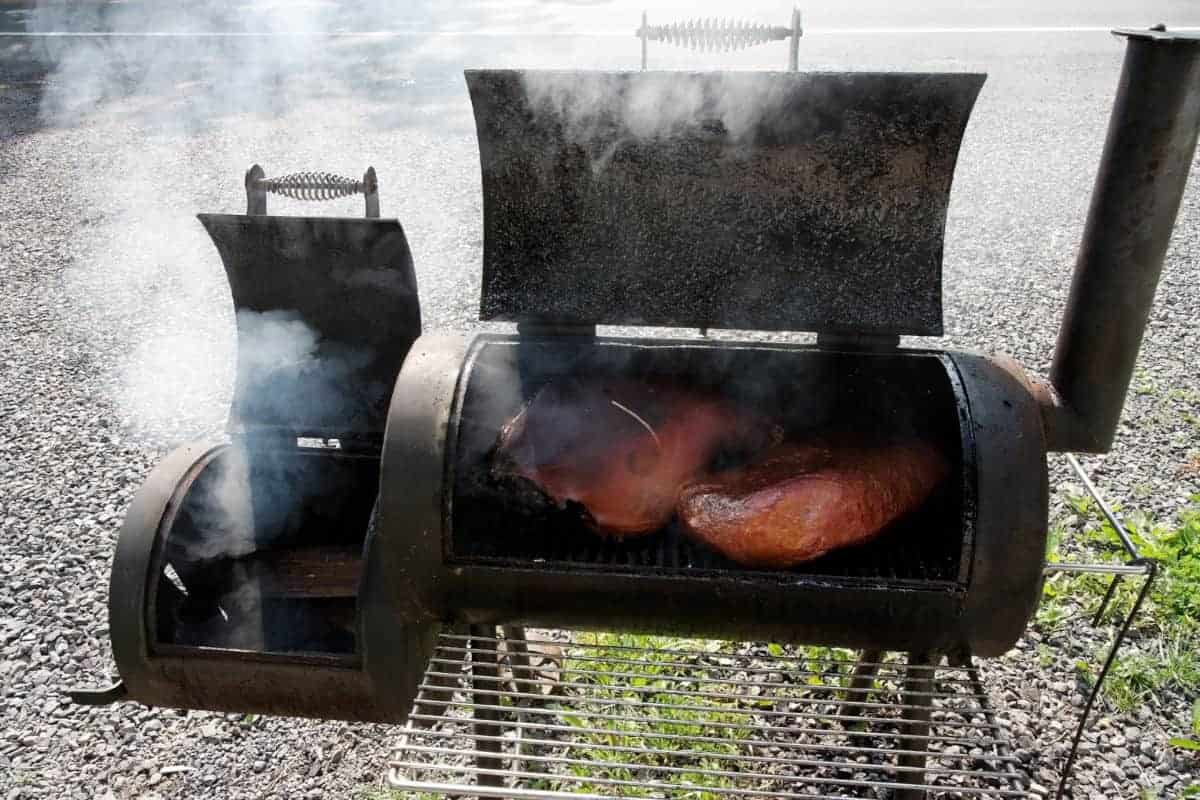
<point>860,682</point>
<point>524,680</point>
<point>441,689</point>
<point>485,665</point>
<point>918,688</point>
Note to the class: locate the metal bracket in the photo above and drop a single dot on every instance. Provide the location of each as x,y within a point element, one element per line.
<point>98,697</point>
<point>315,186</point>
<point>1136,565</point>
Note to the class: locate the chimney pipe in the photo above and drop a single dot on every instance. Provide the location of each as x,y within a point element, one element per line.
<point>1151,140</point>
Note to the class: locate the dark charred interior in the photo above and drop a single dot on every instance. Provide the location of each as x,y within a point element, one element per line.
<point>265,553</point>
<point>808,393</point>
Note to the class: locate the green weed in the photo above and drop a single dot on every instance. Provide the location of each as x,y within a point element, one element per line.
<point>1045,656</point>
<point>375,793</point>
<point>1143,384</point>
<point>660,716</point>
<point>1166,640</point>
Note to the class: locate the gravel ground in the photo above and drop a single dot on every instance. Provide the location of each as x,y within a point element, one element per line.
<point>116,344</point>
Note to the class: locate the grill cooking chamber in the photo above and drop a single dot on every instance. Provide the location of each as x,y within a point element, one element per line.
<point>962,572</point>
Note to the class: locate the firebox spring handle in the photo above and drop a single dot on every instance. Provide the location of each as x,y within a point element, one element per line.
<point>315,186</point>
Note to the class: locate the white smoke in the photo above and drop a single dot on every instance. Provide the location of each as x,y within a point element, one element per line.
<point>657,105</point>
<point>275,340</point>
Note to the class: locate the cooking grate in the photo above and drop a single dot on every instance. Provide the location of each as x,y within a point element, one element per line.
<point>889,558</point>
<point>605,715</point>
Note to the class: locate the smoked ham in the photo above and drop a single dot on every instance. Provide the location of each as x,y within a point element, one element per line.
<point>620,449</point>
<point>802,500</point>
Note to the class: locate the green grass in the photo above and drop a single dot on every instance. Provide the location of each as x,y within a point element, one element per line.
<point>375,793</point>
<point>598,741</point>
<point>1164,647</point>
<point>1184,395</point>
<point>660,712</point>
<point>649,728</point>
<point>1143,384</point>
<point>1191,742</point>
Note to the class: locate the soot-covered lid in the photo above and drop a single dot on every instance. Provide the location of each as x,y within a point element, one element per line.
<point>327,309</point>
<point>783,201</point>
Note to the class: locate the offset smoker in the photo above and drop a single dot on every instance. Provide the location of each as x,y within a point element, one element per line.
<point>306,566</point>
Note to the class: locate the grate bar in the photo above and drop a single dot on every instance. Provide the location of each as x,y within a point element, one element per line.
<point>760,698</point>
<point>753,759</point>
<point>520,726</point>
<point>779,729</point>
<point>761,712</point>
<point>732,682</point>
<point>680,729</point>
<point>690,787</point>
<point>683,651</point>
<point>898,674</point>
<point>708,772</point>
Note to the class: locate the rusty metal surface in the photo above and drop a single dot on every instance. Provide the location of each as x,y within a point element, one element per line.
<point>326,310</point>
<point>743,200</point>
<point>1148,152</point>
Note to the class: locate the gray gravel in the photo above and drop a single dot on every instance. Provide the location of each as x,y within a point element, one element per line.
<point>116,343</point>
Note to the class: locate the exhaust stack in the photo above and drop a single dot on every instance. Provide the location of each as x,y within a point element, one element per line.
<point>1143,171</point>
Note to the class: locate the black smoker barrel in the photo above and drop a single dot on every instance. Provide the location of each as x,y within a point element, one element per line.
<point>775,201</point>
<point>963,572</point>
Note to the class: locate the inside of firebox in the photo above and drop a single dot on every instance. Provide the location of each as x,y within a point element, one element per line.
<point>809,393</point>
<point>265,553</point>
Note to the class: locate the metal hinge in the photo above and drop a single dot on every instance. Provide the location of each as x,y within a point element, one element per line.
<point>858,341</point>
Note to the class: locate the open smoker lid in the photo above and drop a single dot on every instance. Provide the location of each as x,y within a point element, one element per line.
<point>783,201</point>
<point>327,309</point>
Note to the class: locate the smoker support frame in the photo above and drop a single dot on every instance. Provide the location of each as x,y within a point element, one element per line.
<point>474,657</point>
<point>1135,565</point>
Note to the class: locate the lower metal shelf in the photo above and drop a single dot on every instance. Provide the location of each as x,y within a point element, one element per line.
<point>600,715</point>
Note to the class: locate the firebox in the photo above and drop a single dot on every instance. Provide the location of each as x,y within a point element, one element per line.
<point>237,578</point>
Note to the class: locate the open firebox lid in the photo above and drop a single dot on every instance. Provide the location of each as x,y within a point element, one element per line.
<point>327,309</point>
<point>781,201</point>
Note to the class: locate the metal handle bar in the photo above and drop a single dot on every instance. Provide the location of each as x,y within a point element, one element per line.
<point>722,34</point>
<point>315,186</point>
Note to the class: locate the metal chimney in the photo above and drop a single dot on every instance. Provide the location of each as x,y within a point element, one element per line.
<point>1143,171</point>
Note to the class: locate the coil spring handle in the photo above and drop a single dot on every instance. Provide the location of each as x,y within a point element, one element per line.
<point>315,186</point>
<point>723,34</point>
